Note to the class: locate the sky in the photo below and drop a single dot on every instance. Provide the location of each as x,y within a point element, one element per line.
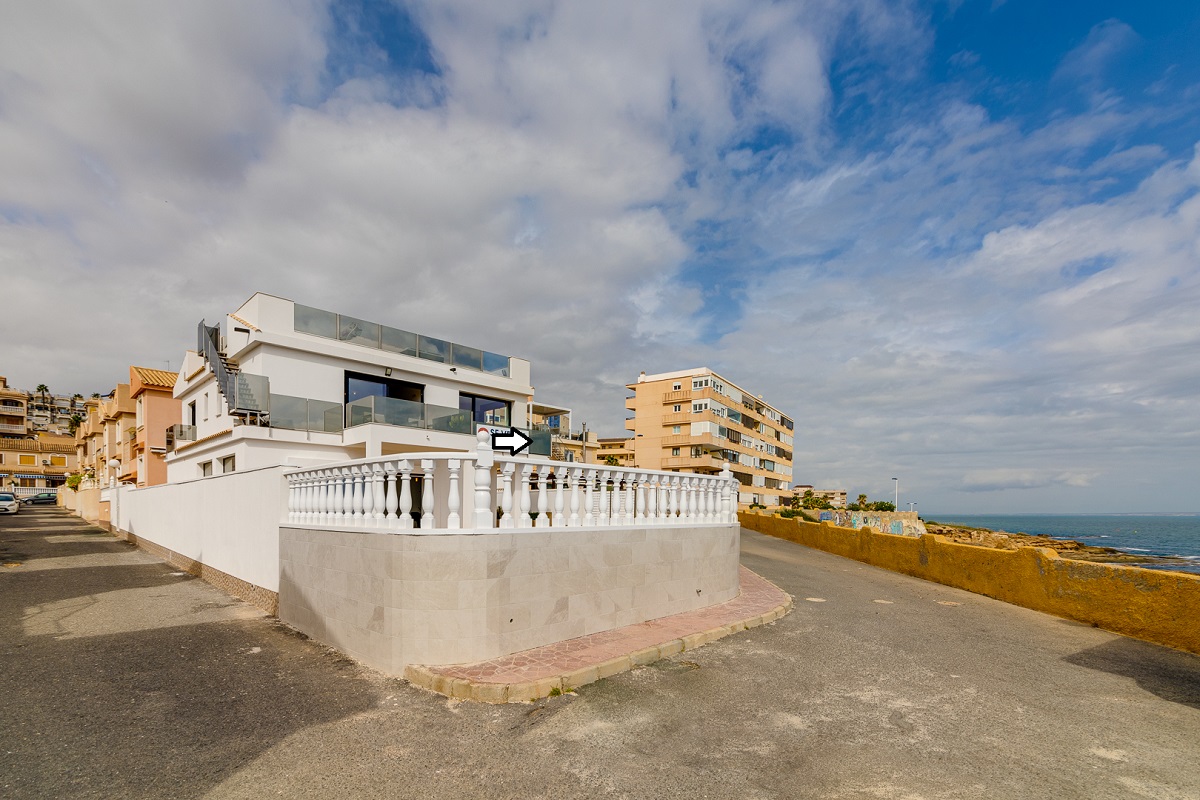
<point>957,241</point>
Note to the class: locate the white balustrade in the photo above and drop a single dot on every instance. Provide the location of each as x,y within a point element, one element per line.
<point>381,494</point>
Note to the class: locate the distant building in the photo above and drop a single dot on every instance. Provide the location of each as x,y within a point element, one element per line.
<point>836,497</point>
<point>619,448</point>
<point>29,465</point>
<point>566,443</point>
<point>14,411</point>
<point>26,413</point>
<point>695,420</point>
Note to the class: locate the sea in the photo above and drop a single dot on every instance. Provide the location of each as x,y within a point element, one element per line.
<point>1138,534</point>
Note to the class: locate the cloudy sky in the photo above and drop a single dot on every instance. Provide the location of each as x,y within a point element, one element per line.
<point>958,241</point>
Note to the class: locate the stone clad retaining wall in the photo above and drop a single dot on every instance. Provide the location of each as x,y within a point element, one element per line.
<point>1157,606</point>
<point>392,599</point>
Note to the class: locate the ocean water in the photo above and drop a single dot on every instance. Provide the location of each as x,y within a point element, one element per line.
<point>1156,534</point>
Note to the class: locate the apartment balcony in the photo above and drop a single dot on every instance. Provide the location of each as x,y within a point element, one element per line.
<point>177,434</point>
<point>677,396</point>
<point>629,424</point>
<point>8,427</point>
<point>408,414</point>
<point>704,462</point>
<point>630,403</point>
<point>677,418</point>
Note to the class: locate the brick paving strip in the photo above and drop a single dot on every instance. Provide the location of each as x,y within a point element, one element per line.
<point>560,667</point>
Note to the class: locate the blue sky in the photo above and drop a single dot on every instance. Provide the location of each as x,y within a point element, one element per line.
<point>958,241</point>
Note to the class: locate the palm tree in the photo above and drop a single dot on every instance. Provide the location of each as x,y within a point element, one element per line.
<point>42,389</point>
<point>95,395</point>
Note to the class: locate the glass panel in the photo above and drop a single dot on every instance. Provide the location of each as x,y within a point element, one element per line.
<point>451,420</point>
<point>398,341</point>
<point>496,364</point>
<point>251,392</point>
<point>405,413</point>
<point>360,412</point>
<point>290,413</point>
<point>468,357</point>
<point>433,349</point>
<point>324,416</point>
<point>540,446</point>
<point>358,331</point>
<point>315,321</point>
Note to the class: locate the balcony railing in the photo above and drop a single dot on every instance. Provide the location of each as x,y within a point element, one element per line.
<point>407,414</point>
<point>438,492</point>
<point>6,427</point>
<point>329,325</point>
<point>305,414</point>
<point>177,434</point>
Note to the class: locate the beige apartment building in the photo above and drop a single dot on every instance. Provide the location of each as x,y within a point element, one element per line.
<point>109,432</point>
<point>155,410</point>
<point>36,463</point>
<point>617,448</point>
<point>695,420</point>
<point>14,411</point>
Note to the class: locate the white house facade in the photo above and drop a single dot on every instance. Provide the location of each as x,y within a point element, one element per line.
<point>288,384</point>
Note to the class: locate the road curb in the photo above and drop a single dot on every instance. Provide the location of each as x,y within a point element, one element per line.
<point>431,678</point>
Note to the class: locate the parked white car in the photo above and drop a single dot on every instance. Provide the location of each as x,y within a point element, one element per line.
<point>9,504</point>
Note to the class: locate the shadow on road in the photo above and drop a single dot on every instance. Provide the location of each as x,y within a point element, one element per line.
<point>1169,674</point>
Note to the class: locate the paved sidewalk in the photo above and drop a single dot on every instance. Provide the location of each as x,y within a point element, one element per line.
<point>561,667</point>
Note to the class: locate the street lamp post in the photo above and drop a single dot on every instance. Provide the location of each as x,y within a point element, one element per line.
<point>897,481</point>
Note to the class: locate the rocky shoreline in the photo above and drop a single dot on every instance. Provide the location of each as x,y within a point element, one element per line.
<point>1066,548</point>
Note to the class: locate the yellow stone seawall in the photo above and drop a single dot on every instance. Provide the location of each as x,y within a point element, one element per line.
<point>1160,607</point>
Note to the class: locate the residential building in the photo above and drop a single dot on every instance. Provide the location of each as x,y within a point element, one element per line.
<point>29,465</point>
<point>566,443</point>
<point>155,410</point>
<point>836,497</point>
<point>107,433</point>
<point>695,420</point>
<point>14,410</point>
<point>285,383</point>
<point>617,448</point>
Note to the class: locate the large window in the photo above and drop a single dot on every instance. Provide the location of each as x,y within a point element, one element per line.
<point>359,385</point>
<point>486,410</point>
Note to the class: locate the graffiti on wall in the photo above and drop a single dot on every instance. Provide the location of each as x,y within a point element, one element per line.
<point>886,522</point>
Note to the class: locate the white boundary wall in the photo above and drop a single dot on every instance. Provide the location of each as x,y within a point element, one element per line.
<point>227,522</point>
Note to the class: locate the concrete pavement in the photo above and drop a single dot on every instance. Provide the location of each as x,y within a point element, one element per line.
<point>119,678</point>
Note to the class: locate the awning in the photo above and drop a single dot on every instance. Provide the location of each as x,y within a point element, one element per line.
<point>33,477</point>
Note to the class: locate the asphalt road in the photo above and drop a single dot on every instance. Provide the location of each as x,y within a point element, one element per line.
<point>120,678</point>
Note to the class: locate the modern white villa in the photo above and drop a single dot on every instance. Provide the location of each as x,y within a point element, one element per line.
<point>285,383</point>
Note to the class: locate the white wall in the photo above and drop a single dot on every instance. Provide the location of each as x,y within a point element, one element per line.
<point>229,522</point>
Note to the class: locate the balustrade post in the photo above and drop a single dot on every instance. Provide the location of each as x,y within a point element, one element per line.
<point>485,458</point>
<point>304,484</point>
<point>672,499</point>
<point>604,513</point>
<point>335,497</point>
<point>543,520</point>
<point>640,505</point>
<point>406,504</point>
<point>291,498</point>
<point>652,500</point>
<point>589,496</point>
<point>318,491</point>
<point>391,502</point>
<point>560,515</point>
<point>454,499</point>
<point>377,493</point>
<point>726,488</point>
<point>356,496</point>
<point>573,520</point>
<point>506,498</point>
<point>427,521</point>
<point>525,520</point>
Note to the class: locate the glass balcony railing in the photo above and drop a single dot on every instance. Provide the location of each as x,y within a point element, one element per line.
<point>329,325</point>
<point>304,414</point>
<point>407,414</point>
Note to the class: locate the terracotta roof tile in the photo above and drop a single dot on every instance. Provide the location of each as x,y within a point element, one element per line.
<point>156,377</point>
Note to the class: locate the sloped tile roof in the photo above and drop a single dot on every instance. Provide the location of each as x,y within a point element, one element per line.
<point>156,377</point>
